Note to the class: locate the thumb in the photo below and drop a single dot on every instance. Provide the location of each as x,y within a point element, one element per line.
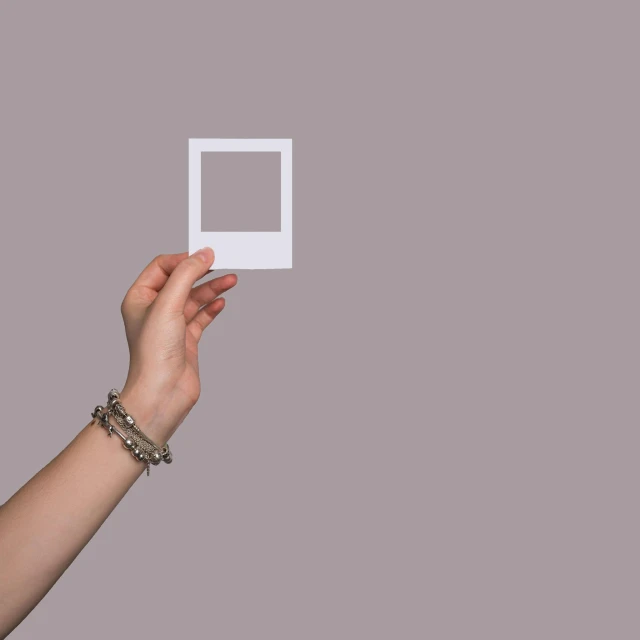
<point>173,296</point>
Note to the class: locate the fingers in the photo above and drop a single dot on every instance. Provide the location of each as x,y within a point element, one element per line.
<point>157,272</point>
<point>205,317</point>
<point>145,288</point>
<point>207,292</point>
<point>175,293</point>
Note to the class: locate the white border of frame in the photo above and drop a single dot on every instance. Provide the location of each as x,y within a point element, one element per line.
<point>240,249</point>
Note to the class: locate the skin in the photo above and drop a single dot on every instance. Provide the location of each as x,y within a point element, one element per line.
<point>48,521</point>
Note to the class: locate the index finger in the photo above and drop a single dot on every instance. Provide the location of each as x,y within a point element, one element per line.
<point>157,272</point>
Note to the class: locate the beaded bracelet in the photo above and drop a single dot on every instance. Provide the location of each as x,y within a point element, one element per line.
<point>142,447</point>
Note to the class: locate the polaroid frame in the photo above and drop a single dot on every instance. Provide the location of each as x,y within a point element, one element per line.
<point>243,249</point>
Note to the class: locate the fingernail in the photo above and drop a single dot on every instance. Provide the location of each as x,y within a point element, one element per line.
<point>203,254</point>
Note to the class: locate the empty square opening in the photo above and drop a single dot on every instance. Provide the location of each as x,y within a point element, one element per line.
<point>240,191</point>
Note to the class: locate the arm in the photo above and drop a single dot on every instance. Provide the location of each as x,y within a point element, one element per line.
<point>46,523</point>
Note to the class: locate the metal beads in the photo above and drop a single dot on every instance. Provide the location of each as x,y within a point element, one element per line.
<point>140,446</point>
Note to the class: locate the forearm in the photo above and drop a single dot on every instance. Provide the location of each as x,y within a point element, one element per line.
<point>47,522</point>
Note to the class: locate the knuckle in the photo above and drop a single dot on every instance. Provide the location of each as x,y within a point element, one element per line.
<point>159,260</point>
<point>124,305</point>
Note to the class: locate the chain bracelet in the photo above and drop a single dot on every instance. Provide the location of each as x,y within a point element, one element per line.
<point>142,447</point>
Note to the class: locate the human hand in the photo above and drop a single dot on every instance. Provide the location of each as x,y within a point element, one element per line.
<point>164,317</point>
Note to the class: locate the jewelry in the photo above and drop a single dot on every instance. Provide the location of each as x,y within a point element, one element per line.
<point>142,447</point>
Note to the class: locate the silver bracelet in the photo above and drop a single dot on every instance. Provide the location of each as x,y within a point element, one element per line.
<point>142,447</point>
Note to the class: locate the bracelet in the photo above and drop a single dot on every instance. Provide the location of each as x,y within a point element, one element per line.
<point>142,447</point>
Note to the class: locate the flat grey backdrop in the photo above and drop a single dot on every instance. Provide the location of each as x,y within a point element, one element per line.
<point>429,427</point>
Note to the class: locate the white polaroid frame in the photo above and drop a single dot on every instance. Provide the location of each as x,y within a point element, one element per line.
<point>243,249</point>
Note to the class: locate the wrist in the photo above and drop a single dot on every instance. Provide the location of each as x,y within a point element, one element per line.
<point>143,412</point>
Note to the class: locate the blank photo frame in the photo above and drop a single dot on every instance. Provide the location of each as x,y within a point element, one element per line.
<point>243,249</point>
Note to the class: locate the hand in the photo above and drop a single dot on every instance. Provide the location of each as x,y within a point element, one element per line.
<point>164,317</point>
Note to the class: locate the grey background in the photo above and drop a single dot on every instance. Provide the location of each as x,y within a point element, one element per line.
<point>427,428</point>
<point>240,191</point>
